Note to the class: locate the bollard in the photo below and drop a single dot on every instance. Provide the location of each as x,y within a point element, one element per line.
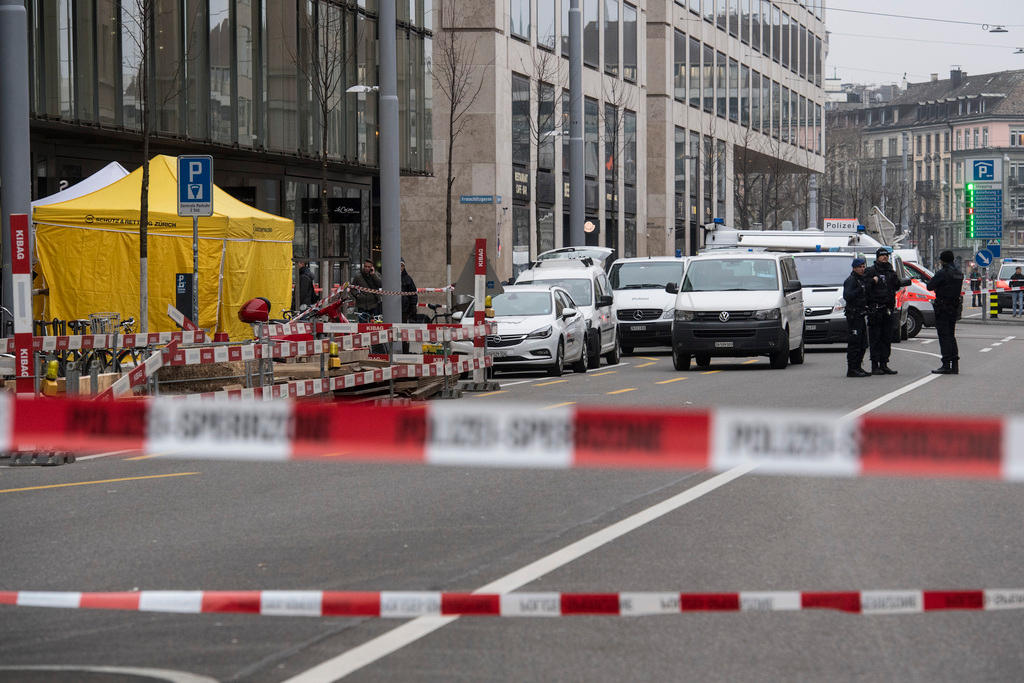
<point>993,305</point>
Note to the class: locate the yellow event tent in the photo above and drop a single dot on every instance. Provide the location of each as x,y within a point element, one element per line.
<point>88,251</point>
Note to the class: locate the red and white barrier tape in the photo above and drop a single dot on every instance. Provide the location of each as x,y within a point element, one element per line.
<point>313,387</point>
<point>994,291</point>
<point>139,374</point>
<point>411,604</point>
<point>419,290</point>
<point>525,435</point>
<point>277,349</point>
<point>408,332</point>
<point>84,342</point>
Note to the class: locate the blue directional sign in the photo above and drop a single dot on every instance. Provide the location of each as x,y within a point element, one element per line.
<point>195,185</point>
<point>983,258</point>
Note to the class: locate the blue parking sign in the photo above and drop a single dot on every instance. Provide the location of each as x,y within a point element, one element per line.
<point>984,169</point>
<point>195,185</point>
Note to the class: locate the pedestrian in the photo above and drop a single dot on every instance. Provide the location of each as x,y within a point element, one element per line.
<point>882,285</point>
<point>409,301</point>
<point>1016,293</point>
<point>367,302</point>
<point>948,305</point>
<point>976,286</point>
<point>856,297</point>
<point>307,292</point>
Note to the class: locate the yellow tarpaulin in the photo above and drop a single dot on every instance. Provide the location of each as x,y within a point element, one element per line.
<point>88,251</point>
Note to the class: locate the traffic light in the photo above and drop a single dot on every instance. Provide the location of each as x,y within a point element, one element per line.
<point>969,210</point>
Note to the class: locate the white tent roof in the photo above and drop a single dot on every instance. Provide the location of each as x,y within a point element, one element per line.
<point>110,173</point>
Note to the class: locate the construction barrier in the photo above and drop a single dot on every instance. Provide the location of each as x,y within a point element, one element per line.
<point>525,435</point>
<point>85,342</point>
<point>412,604</point>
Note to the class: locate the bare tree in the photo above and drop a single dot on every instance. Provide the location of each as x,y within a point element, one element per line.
<point>453,71</point>
<point>328,52</point>
<point>618,99</point>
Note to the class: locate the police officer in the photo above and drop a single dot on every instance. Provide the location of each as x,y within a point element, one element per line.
<point>856,297</point>
<point>948,305</point>
<point>882,285</point>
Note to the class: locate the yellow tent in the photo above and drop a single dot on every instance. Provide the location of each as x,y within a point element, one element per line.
<point>88,251</point>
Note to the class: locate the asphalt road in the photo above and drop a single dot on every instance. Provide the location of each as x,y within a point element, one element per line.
<point>140,521</point>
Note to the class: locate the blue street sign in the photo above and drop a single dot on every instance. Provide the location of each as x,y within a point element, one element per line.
<point>195,185</point>
<point>983,258</point>
<point>984,169</point>
<point>994,249</point>
<point>478,199</point>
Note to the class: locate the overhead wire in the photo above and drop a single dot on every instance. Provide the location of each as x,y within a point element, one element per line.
<point>904,16</point>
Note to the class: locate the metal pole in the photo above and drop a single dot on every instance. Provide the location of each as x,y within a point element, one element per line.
<point>885,163</point>
<point>812,209</point>
<point>905,222</point>
<point>15,155</point>
<point>576,170</point>
<point>195,270</point>
<point>390,216</point>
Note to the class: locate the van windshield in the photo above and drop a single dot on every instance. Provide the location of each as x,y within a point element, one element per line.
<point>1008,269</point>
<point>512,303</point>
<point>731,275</point>
<point>822,271</point>
<point>646,275</point>
<point>581,291</point>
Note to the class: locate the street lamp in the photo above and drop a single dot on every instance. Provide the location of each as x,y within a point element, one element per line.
<point>363,88</point>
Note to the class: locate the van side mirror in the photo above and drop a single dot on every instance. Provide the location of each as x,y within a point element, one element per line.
<point>905,282</point>
<point>604,300</point>
<point>792,286</point>
<point>457,316</point>
<point>672,288</point>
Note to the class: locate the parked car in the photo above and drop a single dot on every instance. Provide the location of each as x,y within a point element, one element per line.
<point>642,308</point>
<point>921,311</point>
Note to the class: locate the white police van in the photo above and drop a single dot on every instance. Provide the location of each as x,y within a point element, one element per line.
<point>641,306</point>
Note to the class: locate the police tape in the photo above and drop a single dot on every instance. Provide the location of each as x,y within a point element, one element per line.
<point>84,342</point>
<point>522,435</point>
<point>405,292</point>
<point>275,349</point>
<point>407,332</point>
<point>411,604</point>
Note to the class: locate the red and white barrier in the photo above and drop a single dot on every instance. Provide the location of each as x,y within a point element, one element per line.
<point>277,349</point>
<point>21,282</point>
<point>411,604</point>
<point>407,332</point>
<point>140,374</point>
<point>525,435</point>
<point>85,342</point>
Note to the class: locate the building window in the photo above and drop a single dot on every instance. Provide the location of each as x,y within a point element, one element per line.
<point>629,147</point>
<point>918,138</point>
<point>734,77</point>
<point>755,24</point>
<point>679,212</point>
<point>755,101</point>
<point>611,37</point>
<point>694,67</point>
<point>591,35</point>
<point>958,140</point>
<point>745,20</point>
<point>519,18</point>
<point>975,138</point>
<point>629,42</point>
<point>546,24</point>
<point>709,11</point>
<point>1016,137</point>
<point>679,65</point>
<point>546,126</point>
<point>776,34</point>
<point>892,147</point>
<point>545,228</point>
<point>520,120</point>
<point>590,137</point>
<point>984,137</point>
<point>745,95</point>
<point>945,142</point>
<point>766,105</point>
<point>694,6</point>
<point>720,84</point>
<point>693,179</point>
<point>734,18</point>
<point>565,28</point>
<point>520,238</point>
<point>786,40</point>
<point>721,14</point>
<point>928,144</point>
<point>709,78</point>
<point>720,177</point>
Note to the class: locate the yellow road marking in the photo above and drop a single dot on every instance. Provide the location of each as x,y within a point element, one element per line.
<point>493,393</point>
<point>752,360</point>
<point>560,405</point>
<point>606,372</point>
<point>669,381</point>
<point>554,381</point>
<point>99,481</point>
<point>644,365</point>
<point>646,358</point>
<point>622,391</point>
<point>710,372</point>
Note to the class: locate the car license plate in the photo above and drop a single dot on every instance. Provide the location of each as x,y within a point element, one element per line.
<point>723,345</point>
<point>638,328</point>
<point>499,353</point>
<point>813,327</point>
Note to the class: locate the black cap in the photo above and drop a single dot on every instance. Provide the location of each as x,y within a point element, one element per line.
<point>881,250</point>
<point>946,256</point>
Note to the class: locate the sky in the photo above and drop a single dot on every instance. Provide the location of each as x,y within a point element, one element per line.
<point>868,48</point>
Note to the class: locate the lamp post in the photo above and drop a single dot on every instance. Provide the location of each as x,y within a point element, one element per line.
<point>390,213</point>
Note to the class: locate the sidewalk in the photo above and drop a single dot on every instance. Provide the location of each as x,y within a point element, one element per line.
<point>972,314</point>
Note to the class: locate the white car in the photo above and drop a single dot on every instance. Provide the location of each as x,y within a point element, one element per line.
<point>642,307</point>
<point>537,327</point>
<point>589,288</point>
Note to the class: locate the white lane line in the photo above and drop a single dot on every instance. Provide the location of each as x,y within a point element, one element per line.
<point>927,341</point>
<point>127,671</point>
<point>986,349</point>
<point>406,634</point>
<point>972,315</point>
<point>538,379</point>
<point>104,455</point>
<point>1006,339</point>
<point>997,343</point>
<point>923,353</point>
<point>881,400</point>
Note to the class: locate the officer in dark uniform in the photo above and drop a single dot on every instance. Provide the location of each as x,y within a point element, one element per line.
<point>856,297</point>
<point>882,285</point>
<point>948,305</point>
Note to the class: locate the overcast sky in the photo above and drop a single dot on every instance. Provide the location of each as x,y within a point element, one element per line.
<point>865,48</point>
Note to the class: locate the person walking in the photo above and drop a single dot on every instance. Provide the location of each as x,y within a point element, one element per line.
<point>882,285</point>
<point>368,303</point>
<point>409,301</point>
<point>856,297</point>
<point>975,286</point>
<point>948,305</point>
<point>307,292</point>
<point>1016,293</point>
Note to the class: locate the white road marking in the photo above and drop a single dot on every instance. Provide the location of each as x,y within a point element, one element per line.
<point>972,315</point>
<point>103,455</point>
<point>927,341</point>
<point>538,379</point>
<point>406,634</point>
<point>986,349</point>
<point>1006,339</point>
<point>890,396</point>
<point>159,674</point>
<point>997,343</point>
<point>923,353</point>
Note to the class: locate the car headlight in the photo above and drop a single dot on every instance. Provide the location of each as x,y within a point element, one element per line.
<point>683,316</point>
<point>540,334</point>
<point>839,307</point>
<point>668,313</point>
<point>767,314</point>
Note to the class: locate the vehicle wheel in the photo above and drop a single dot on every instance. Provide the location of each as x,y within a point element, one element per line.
<point>680,360</point>
<point>594,350</point>
<point>796,356</point>
<point>703,360</point>
<point>915,321</point>
<point>581,365</point>
<point>557,367</point>
<point>780,359</point>
<point>626,350</point>
<point>613,356</point>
